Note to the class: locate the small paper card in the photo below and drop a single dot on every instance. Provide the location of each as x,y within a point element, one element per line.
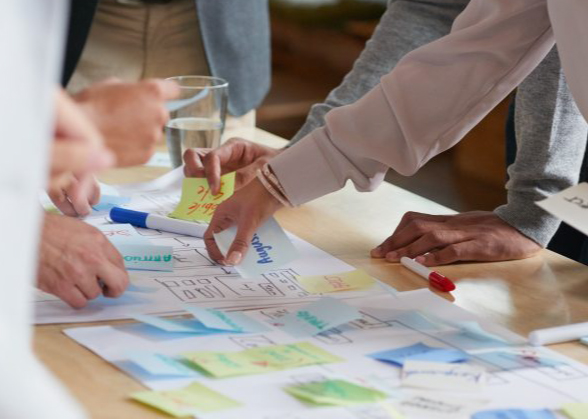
<point>335,393</point>
<point>158,364</point>
<point>439,406</point>
<point>260,360</point>
<point>439,376</point>
<point>574,410</point>
<point>107,202</point>
<point>188,401</point>
<point>198,203</point>
<point>270,249</point>
<point>517,414</point>
<point>230,321</point>
<point>323,314</point>
<point>419,352</point>
<point>147,257</point>
<point>570,205</point>
<point>321,284</point>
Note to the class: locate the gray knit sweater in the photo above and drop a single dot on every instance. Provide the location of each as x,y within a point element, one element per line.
<point>551,132</point>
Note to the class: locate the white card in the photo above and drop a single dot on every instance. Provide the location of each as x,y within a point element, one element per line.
<point>570,205</point>
<point>442,376</point>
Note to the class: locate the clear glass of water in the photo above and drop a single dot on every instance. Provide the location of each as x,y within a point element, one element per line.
<point>199,124</point>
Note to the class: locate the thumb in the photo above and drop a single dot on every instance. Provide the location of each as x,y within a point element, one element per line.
<point>240,245</point>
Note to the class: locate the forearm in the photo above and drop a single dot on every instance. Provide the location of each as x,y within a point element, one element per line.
<point>551,140</point>
<point>405,26</point>
<point>432,98</point>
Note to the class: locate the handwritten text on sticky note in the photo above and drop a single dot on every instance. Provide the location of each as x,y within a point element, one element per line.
<point>198,203</point>
<point>345,281</point>
<point>441,376</point>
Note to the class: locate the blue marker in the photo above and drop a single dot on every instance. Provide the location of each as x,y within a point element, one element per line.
<point>157,222</point>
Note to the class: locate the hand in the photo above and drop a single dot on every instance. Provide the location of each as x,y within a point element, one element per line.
<point>130,116</point>
<point>471,236</point>
<point>236,154</point>
<point>77,198</point>
<point>73,257</point>
<point>248,208</point>
<point>77,147</point>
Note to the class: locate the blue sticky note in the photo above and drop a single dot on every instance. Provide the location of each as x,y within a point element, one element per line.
<point>515,414</point>
<point>158,364</point>
<point>147,257</point>
<point>419,352</point>
<point>177,325</point>
<point>123,234</point>
<point>319,316</point>
<point>270,249</point>
<point>230,321</point>
<point>107,202</point>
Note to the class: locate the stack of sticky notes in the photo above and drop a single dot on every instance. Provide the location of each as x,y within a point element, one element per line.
<point>335,393</point>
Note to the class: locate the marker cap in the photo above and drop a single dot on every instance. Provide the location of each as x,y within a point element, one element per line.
<point>123,215</point>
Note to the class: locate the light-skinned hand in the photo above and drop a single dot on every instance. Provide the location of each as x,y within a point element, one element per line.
<point>244,157</point>
<point>73,256</point>
<point>248,209</point>
<point>130,116</point>
<point>77,198</point>
<point>470,236</point>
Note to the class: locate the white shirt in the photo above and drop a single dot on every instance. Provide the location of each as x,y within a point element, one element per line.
<point>31,42</point>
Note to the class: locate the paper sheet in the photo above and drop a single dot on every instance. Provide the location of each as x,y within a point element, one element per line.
<point>262,397</point>
<point>570,205</point>
<point>196,279</point>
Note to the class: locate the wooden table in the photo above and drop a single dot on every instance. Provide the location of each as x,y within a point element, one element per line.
<point>543,291</point>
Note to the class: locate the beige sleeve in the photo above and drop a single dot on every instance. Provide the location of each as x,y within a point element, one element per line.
<point>433,97</point>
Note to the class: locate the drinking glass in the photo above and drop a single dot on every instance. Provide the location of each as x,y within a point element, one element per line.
<point>201,121</point>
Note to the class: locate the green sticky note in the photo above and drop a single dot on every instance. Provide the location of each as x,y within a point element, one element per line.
<point>260,360</point>
<point>188,401</point>
<point>576,410</point>
<point>335,393</point>
<point>198,203</point>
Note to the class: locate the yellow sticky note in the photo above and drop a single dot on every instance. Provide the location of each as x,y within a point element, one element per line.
<point>198,203</point>
<point>322,284</point>
<point>259,360</point>
<point>188,401</point>
<point>576,410</point>
<point>335,393</point>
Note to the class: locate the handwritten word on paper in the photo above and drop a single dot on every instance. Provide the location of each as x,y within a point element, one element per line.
<point>260,360</point>
<point>323,314</point>
<point>419,352</point>
<point>147,257</point>
<point>122,234</point>
<point>270,249</point>
<point>439,406</point>
<point>234,322</point>
<point>321,284</point>
<point>188,401</point>
<point>335,393</point>
<point>440,376</point>
<point>575,410</point>
<point>198,203</point>
<point>158,364</point>
<point>517,414</point>
<point>570,205</point>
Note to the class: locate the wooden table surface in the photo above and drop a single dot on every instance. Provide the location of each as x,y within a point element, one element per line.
<point>543,291</point>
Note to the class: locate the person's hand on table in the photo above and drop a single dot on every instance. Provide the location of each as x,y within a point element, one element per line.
<point>244,157</point>
<point>77,153</point>
<point>471,236</point>
<point>130,116</point>
<point>73,257</point>
<point>77,198</point>
<point>248,208</point>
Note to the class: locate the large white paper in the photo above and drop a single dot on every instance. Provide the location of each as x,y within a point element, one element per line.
<point>196,279</point>
<point>385,324</point>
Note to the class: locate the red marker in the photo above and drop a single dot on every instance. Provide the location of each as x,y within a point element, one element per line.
<point>435,278</point>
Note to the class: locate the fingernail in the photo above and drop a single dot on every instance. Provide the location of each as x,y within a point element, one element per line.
<point>234,258</point>
<point>376,252</point>
<point>392,256</point>
<point>419,259</point>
